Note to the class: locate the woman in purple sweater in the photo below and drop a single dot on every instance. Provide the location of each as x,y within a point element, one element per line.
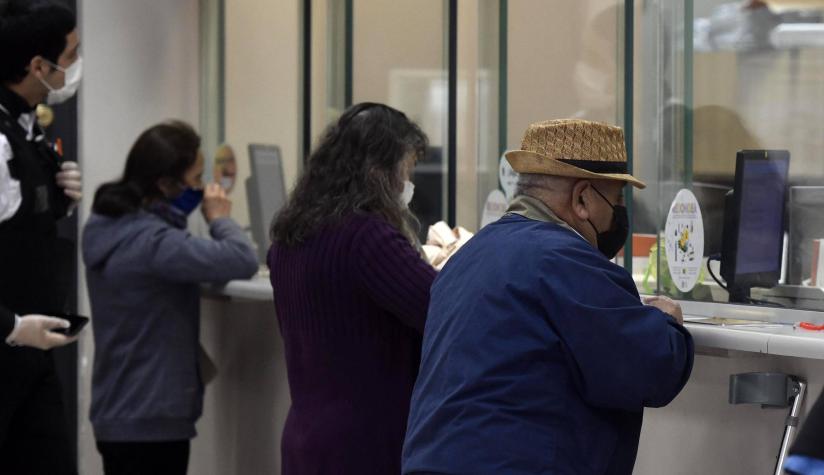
<point>351,294</point>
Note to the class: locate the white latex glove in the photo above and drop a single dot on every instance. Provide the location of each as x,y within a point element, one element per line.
<point>70,179</point>
<point>35,331</point>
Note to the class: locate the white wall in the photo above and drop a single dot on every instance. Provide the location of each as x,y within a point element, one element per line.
<point>141,67</point>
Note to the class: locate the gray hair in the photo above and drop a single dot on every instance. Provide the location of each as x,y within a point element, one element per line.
<point>529,182</point>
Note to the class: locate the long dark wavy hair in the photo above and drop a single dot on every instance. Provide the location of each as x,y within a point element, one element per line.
<point>356,168</point>
<point>165,150</point>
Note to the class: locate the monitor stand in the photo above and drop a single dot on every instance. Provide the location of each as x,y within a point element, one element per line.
<point>739,295</point>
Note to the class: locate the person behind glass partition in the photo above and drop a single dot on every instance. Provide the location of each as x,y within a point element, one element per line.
<point>225,170</point>
<point>143,271</point>
<point>351,294</point>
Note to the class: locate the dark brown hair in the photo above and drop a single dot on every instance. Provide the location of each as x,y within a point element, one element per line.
<point>355,168</point>
<point>165,150</point>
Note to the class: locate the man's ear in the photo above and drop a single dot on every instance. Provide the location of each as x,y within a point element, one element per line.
<point>579,200</point>
<point>38,64</point>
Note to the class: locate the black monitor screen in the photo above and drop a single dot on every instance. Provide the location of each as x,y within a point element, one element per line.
<point>760,228</point>
<point>265,192</point>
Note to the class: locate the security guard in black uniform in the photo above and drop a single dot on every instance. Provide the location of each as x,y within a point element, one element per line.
<point>38,62</point>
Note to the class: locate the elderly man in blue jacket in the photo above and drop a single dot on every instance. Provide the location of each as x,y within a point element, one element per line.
<point>539,357</point>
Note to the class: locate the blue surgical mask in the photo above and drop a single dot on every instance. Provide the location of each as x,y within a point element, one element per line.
<point>188,200</point>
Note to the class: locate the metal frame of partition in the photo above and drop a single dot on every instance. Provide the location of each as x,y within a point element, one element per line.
<point>452,120</point>
<point>349,41</point>
<point>503,68</point>
<point>306,71</point>
<point>221,72</point>
<point>629,111</point>
<point>688,90</point>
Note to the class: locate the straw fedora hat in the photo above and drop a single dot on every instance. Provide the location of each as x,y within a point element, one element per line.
<point>574,148</point>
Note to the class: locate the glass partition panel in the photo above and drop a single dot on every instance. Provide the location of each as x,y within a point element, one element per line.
<point>399,57</point>
<point>717,78</point>
<point>327,25</point>
<point>541,60</point>
<point>393,53</point>
<point>484,74</point>
<point>564,60</point>
<point>661,114</point>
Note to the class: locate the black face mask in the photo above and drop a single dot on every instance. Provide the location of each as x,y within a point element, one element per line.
<point>613,239</point>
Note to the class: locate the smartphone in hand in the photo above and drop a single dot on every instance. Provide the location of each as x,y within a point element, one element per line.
<point>77,323</point>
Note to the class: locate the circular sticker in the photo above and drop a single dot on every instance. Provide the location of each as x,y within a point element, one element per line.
<point>684,240</point>
<point>507,177</point>
<point>494,208</point>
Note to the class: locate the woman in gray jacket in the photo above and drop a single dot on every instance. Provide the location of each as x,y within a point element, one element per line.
<point>143,271</point>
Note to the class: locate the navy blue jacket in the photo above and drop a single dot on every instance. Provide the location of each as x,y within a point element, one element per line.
<point>538,358</point>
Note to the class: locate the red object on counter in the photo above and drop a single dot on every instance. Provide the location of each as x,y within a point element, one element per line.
<point>811,326</point>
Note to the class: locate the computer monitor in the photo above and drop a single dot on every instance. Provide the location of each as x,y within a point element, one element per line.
<point>754,222</point>
<point>806,223</point>
<point>265,193</point>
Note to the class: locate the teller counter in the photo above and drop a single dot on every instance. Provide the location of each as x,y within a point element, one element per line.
<point>700,432</point>
<point>247,402</point>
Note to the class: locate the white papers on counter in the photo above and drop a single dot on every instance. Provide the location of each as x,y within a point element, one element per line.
<point>442,242</point>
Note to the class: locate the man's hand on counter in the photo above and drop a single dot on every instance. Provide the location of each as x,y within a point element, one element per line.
<point>666,305</point>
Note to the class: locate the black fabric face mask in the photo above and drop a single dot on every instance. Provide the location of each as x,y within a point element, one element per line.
<point>612,240</point>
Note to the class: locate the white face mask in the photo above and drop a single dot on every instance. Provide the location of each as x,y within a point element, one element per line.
<point>74,74</point>
<point>407,193</point>
<point>227,183</point>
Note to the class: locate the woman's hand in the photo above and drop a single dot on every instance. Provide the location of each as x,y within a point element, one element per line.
<point>215,203</point>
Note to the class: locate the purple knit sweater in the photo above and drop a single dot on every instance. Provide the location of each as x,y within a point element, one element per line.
<point>351,302</point>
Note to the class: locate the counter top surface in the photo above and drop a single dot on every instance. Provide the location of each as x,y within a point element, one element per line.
<point>771,339</point>
<point>256,288</point>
